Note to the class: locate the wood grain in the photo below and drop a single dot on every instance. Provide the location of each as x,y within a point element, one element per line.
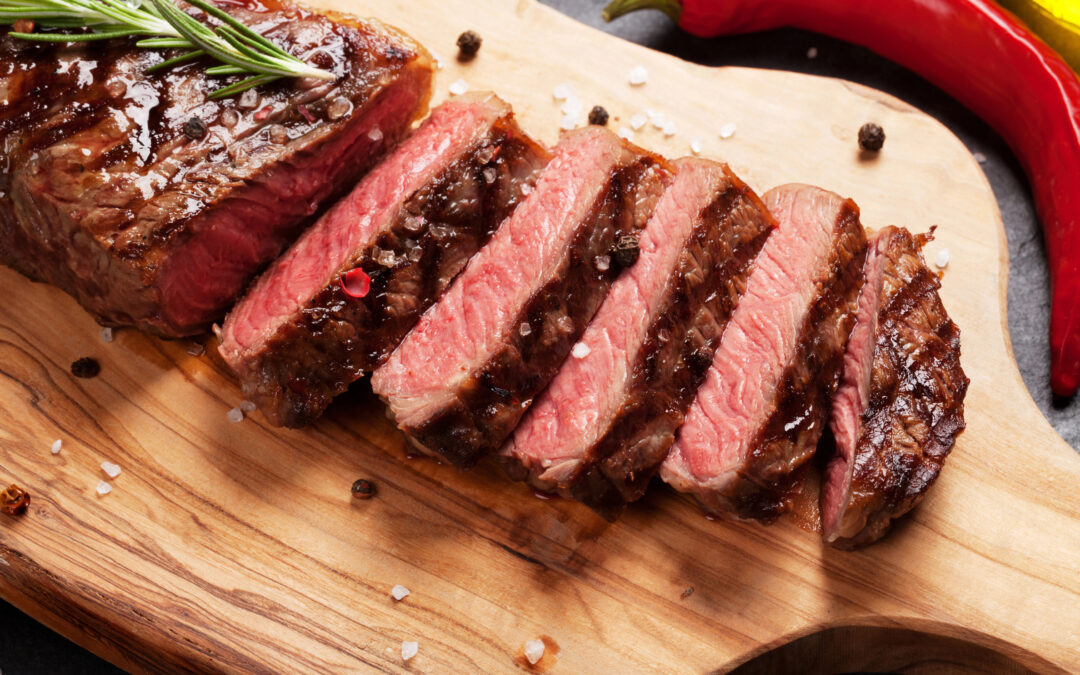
<point>237,547</point>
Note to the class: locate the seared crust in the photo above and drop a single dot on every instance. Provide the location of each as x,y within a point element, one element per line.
<point>488,405</point>
<point>670,366</point>
<point>102,189</point>
<point>767,481</point>
<point>336,338</point>
<point>916,402</point>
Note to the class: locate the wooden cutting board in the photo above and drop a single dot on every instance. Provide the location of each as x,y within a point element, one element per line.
<point>238,547</point>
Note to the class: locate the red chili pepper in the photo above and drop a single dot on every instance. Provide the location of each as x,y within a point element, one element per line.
<point>356,283</point>
<point>987,59</point>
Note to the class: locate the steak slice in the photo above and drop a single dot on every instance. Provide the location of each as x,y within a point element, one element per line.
<point>299,338</point>
<point>900,404</point>
<point>759,414</point>
<point>604,424</point>
<point>460,381</point>
<point>104,194</point>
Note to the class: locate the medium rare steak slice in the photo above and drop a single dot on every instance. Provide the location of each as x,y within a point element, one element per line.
<point>309,328</point>
<point>155,206</point>
<point>460,381</point>
<point>759,414</point>
<point>900,404</point>
<point>604,424</point>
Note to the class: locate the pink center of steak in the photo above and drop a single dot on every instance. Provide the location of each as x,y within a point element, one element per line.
<point>760,340</point>
<point>473,317</point>
<point>578,405</point>
<point>853,395</point>
<point>320,254</point>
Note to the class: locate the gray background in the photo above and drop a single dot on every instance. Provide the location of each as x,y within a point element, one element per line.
<point>27,647</point>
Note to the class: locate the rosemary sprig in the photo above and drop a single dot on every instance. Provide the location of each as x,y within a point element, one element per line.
<point>241,50</point>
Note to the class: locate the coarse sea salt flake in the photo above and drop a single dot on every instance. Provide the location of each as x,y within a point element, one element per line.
<point>247,406</point>
<point>580,350</point>
<point>534,651</point>
<point>568,122</point>
<point>942,258</point>
<point>399,592</point>
<point>626,133</point>
<point>638,121</point>
<point>56,445</point>
<point>695,146</point>
<point>980,158</point>
<point>438,60</point>
<point>103,488</point>
<point>409,649</point>
<point>657,119</point>
<point>669,128</point>
<point>572,106</point>
<point>728,130</point>
<point>111,470</point>
<point>106,334</point>
<point>563,91</point>
<point>638,76</point>
<point>459,87</point>
<point>235,415</point>
<point>375,135</point>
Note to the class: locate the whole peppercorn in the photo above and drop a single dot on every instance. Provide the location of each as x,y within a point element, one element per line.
<point>195,128</point>
<point>363,489</point>
<point>14,500</point>
<point>871,137</point>
<point>627,250</point>
<point>598,116</point>
<point>468,44</point>
<point>85,367</point>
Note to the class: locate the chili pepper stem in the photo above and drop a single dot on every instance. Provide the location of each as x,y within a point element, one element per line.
<point>616,8</point>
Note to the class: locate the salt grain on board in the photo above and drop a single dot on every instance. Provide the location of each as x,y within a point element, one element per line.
<point>626,133</point>
<point>580,350</point>
<point>103,488</point>
<point>56,445</point>
<point>247,406</point>
<point>568,122</point>
<point>399,592</point>
<point>111,470</point>
<point>669,129</point>
<point>638,121</point>
<point>106,334</point>
<point>459,87</point>
<point>695,146</point>
<point>534,651</point>
<point>235,415</point>
<point>638,76</point>
<point>409,649</point>
<point>563,91</point>
<point>942,258</point>
<point>728,130</point>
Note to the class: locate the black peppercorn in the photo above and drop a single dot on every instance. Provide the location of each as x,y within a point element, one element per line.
<point>195,128</point>
<point>363,489</point>
<point>85,367</point>
<point>598,116</point>
<point>627,250</point>
<point>14,500</point>
<point>871,137</point>
<point>468,44</point>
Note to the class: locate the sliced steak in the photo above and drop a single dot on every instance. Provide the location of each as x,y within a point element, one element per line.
<point>460,381</point>
<point>759,414</point>
<point>604,424</point>
<point>900,404</point>
<point>309,328</point>
<point>105,195</point>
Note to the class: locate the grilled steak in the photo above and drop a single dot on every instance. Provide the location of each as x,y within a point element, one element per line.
<point>900,404</point>
<point>301,336</point>
<point>604,424</point>
<point>103,194</point>
<point>760,413</point>
<point>460,381</point>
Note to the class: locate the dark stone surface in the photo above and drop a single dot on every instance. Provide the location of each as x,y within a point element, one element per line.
<point>28,647</point>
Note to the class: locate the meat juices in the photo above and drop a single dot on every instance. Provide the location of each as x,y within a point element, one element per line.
<point>103,194</point>
<point>900,404</point>
<point>764,404</point>
<point>460,381</point>
<point>604,424</point>
<point>299,338</point>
